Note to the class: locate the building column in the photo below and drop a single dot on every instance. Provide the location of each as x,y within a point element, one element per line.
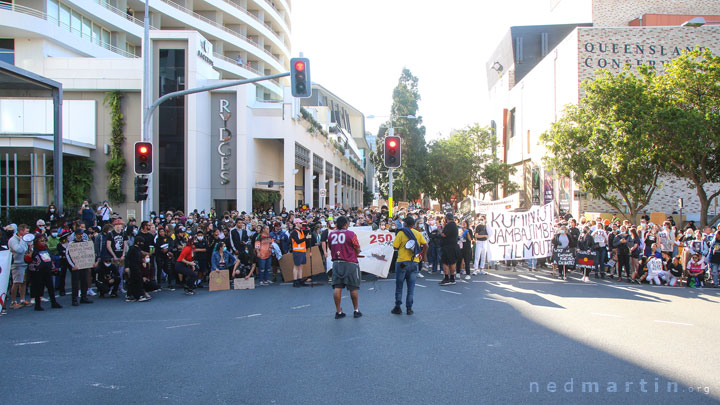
<point>288,169</point>
<point>322,185</point>
<point>331,190</point>
<point>245,158</point>
<point>309,184</point>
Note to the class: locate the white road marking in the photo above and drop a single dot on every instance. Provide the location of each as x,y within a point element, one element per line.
<point>484,281</point>
<point>527,277</point>
<point>675,323</point>
<point>420,285</point>
<point>503,277</point>
<point>107,387</point>
<point>535,282</point>
<point>247,316</point>
<point>39,342</point>
<point>493,299</point>
<point>181,326</point>
<point>610,315</point>
<point>548,278</point>
<point>451,292</point>
<point>300,306</point>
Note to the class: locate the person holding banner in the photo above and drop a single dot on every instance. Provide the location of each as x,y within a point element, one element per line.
<point>411,246</point>
<point>344,250</point>
<point>79,276</point>
<point>561,241</point>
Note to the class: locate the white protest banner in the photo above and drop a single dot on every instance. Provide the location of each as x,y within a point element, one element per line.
<point>82,254</point>
<point>376,249</point>
<point>521,235</point>
<point>472,205</point>
<point>5,260</point>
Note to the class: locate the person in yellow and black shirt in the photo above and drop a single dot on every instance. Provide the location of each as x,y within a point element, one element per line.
<point>411,246</point>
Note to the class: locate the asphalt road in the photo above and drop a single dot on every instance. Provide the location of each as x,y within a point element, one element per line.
<point>507,337</point>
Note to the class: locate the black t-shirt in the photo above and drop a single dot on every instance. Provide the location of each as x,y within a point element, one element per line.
<point>117,242</point>
<point>676,271</point>
<point>451,235</point>
<point>481,232</point>
<point>148,240</point>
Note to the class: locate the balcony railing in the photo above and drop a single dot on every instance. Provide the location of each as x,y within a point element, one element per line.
<point>44,16</point>
<point>267,25</point>
<point>245,66</point>
<point>221,27</point>
<point>123,13</point>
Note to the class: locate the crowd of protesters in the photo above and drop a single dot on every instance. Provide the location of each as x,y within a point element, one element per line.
<point>175,250</point>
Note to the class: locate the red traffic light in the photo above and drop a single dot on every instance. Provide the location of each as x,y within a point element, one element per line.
<point>143,149</point>
<point>300,65</point>
<point>392,143</point>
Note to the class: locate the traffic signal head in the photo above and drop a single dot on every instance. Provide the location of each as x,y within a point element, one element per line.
<point>141,188</point>
<point>143,157</point>
<point>393,152</point>
<point>300,83</point>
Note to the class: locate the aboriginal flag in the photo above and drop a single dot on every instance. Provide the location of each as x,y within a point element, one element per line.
<point>586,259</point>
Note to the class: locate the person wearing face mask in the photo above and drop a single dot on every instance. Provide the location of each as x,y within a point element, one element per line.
<point>40,272</point>
<point>622,242</point>
<point>561,241</point>
<point>482,247</point>
<point>201,256</point>
<point>41,227</point>
<point>107,278</point>
<point>116,246</point>
<point>223,260</point>
<point>667,238</point>
<point>186,266</point>
<point>135,263</point>
<point>52,214</point>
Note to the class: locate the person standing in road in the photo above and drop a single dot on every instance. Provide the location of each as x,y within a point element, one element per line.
<point>79,276</point>
<point>299,239</point>
<point>450,249</point>
<point>19,248</point>
<point>482,247</point>
<point>344,250</point>
<point>406,268</point>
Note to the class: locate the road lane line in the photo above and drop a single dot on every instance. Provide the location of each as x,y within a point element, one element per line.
<point>451,292</point>
<point>503,277</point>
<point>247,316</point>
<point>548,278</point>
<point>420,285</point>
<point>39,342</point>
<point>181,326</point>
<point>675,323</point>
<point>493,299</point>
<point>300,306</point>
<point>535,282</point>
<point>527,277</point>
<point>609,315</point>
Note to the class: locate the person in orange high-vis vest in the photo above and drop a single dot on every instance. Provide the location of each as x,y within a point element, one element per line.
<point>299,238</point>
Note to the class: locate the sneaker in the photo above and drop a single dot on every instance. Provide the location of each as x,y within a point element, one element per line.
<point>357,314</point>
<point>483,273</point>
<point>396,310</point>
<point>170,288</point>
<point>452,281</point>
<point>127,299</point>
<point>43,299</point>
<point>339,315</point>
<point>467,277</point>
<point>15,305</point>
<point>420,275</point>
<point>189,292</point>
<point>143,299</point>
<point>475,272</point>
<point>409,311</point>
<point>268,282</point>
<point>90,292</point>
<point>3,312</point>
<point>445,281</point>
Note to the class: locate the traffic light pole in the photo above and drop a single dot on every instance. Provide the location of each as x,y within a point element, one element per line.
<point>147,120</point>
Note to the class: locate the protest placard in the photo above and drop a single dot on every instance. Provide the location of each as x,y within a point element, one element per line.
<point>376,251</point>
<point>564,257</point>
<point>219,280</point>
<point>82,254</point>
<point>316,261</point>
<point>585,259</point>
<point>5,260</point>
<point>242,284</point>
<point>521,235</point>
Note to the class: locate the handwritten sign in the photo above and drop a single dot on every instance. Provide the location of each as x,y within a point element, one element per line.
<point>82,254</point>
<point>521,235</point>
<point>564,257</point>
<point>585,259</point>
<point>376,249</point>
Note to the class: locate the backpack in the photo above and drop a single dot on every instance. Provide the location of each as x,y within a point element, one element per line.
<point>412,244</point>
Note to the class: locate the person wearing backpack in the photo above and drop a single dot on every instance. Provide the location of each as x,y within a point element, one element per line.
<point>410,245</point>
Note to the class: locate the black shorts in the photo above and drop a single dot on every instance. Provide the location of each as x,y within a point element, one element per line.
<point>346,274</point>
<point>450,254</point>
<point>299,258</point>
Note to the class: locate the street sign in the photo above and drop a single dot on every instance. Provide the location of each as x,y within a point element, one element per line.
<point>323,192</point>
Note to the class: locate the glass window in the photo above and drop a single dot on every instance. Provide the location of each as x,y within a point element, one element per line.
<point>76,23</point>
<point>87,29</point>
<point>7,50</point>
<point>106,38</point>
<point>53,10</point>
<point>96,34</point>
<point>65,17</point>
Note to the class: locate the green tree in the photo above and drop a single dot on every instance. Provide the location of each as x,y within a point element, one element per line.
<point>688,137</point>
<point>463,161</point>
<point>408,180</point>
<point>605,142</point>
<point>77,179</point>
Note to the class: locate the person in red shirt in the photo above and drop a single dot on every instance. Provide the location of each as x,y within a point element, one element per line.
<point>344,249</point>
<point>185,265</point>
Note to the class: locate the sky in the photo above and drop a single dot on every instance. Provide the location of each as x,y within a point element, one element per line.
<point>358,48</point>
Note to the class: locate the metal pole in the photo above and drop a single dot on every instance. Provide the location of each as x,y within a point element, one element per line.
<point>391,132</point>
<point>57,150</point>
<point>147,135</point>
